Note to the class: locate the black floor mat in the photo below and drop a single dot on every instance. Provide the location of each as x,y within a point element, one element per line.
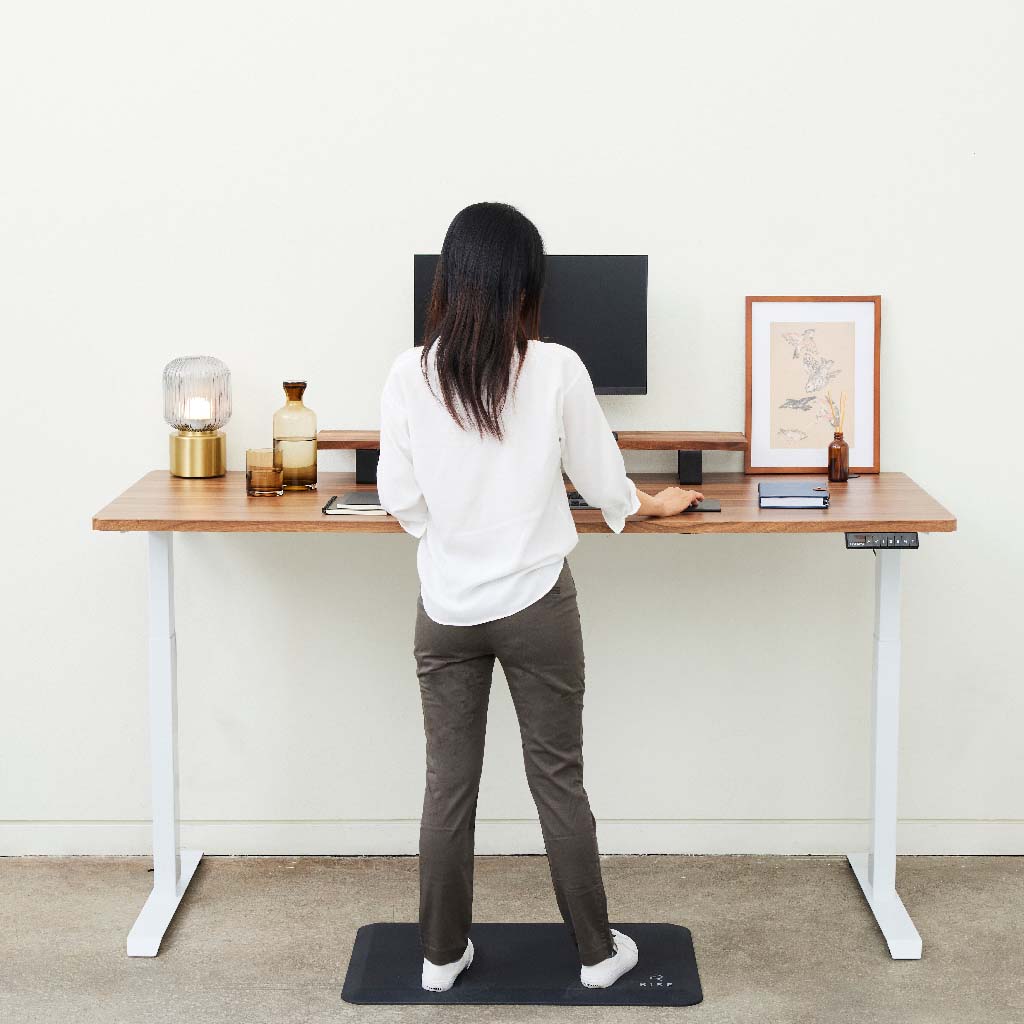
<point>524,964</point>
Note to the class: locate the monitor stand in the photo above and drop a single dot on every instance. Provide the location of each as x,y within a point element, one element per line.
<point>689,446</point>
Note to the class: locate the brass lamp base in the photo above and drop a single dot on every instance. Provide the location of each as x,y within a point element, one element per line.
<point>198,453</point>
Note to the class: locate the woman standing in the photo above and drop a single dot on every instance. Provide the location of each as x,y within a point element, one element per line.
<point>475,429</point>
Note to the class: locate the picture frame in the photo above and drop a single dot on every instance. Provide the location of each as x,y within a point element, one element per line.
<point>812,363</point>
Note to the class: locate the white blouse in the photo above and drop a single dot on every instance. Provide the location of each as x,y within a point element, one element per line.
<point>492,516</point>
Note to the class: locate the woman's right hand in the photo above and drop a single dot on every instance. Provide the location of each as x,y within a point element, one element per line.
<point>669,502</point>
<point>677,499</point>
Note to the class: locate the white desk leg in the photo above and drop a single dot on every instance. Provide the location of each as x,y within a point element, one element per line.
<point>876,869</point>
<point>172,868</point>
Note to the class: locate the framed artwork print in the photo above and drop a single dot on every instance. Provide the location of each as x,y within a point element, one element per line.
<point>812,368</point>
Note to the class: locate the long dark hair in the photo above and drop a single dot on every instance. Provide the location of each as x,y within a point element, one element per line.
<point>484,308</point>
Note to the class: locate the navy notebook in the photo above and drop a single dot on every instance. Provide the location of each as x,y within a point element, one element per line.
<point>792,494</point>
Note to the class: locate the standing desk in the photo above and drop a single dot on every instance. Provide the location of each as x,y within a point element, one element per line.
<point>161,505</point>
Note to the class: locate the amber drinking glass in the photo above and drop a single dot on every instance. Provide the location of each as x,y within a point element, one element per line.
<point>262,477</point>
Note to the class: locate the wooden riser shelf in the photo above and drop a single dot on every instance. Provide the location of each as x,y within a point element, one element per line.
<point>632,440</point>
<point>688,443</point>
<point>360,440</point>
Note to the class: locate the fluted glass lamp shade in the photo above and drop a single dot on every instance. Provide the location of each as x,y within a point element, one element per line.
<point>197,403</point>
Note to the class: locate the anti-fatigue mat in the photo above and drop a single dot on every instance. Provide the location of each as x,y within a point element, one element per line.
<point>523,964</point>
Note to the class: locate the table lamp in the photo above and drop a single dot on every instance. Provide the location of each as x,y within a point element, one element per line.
<point>197,403</point>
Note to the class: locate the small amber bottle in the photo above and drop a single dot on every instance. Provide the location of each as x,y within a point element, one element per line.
<point>838,459</point>
<point>295,439</point>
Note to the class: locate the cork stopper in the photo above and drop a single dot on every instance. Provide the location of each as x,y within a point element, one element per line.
<point>294,389</point>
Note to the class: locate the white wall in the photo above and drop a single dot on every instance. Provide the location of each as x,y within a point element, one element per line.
<point>251,180</point>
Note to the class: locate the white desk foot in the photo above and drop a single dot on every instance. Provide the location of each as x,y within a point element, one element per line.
<point>148,931</point>
<point>892,917</point>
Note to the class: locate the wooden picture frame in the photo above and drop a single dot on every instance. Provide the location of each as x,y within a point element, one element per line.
<point>835,349</point>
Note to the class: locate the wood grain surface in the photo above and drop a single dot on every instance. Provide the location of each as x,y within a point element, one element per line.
<point>634,440</point>
<point>159,501</point>
<point>347,439</point>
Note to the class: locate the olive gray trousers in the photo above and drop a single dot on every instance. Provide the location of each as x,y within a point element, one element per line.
<point>541,652</point>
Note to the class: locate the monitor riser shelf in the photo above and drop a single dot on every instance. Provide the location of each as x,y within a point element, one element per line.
<point>689,446</point>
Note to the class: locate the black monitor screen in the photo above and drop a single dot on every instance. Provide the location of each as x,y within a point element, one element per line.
<point>595,305</point>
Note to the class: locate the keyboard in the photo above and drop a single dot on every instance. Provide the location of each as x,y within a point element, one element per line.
<point>577,501</point>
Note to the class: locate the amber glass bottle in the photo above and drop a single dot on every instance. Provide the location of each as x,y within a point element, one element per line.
<point>838,459</point>
<point>295,439</point>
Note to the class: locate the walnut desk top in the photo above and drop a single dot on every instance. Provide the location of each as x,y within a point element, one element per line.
<point>160,502</point>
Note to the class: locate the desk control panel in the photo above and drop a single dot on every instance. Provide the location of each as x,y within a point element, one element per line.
<point>876,541</point>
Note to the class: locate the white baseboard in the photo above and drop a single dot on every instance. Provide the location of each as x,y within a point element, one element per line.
<point>365,837</point>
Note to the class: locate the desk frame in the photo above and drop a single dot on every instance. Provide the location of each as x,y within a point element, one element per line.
<point>159,506</point>
<point>876,869</point>
<point>173,867</point>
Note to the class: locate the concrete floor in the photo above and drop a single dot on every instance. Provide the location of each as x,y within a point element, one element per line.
<point>778,939</point>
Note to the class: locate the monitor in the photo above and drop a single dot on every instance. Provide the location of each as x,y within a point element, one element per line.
<point>595,305</point>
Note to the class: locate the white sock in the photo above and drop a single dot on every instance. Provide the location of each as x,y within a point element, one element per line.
<point>607,972</point>
<point>441,977</point>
